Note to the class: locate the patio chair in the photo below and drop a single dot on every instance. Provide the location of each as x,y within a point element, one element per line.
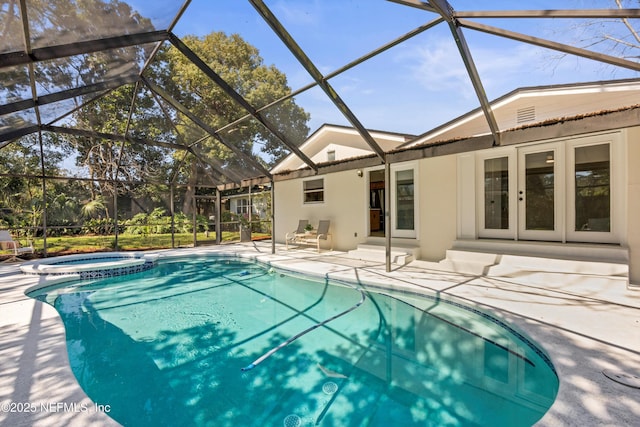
<point>7,243</point>
<point>322,233</point>
<point>292,236</point>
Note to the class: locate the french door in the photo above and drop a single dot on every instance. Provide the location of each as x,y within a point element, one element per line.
<point>559,191</point>
<point>540,203</point>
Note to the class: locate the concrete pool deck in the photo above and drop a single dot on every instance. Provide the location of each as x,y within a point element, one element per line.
<point>586,324</point>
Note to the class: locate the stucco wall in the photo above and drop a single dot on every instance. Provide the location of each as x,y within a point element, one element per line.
<point>344,205</point>
<point>341,152</point>
<point>633,203</point>
<point>438,216</point>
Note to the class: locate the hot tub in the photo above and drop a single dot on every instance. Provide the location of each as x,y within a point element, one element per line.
<point>90,266</point>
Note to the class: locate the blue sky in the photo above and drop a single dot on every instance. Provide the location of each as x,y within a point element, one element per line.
<point>415,86</point>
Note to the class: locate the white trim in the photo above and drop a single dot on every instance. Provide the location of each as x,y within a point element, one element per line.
<point>367,206</point>
<point>557,234</point>
<point>304,192</point>
<point>510,232</point>
<point>616,186</point>
<point>467,227</point>
<point>402,233</point>
<point>564,168</point>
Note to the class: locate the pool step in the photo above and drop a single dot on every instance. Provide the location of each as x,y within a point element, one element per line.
<point>371,252</point>
<point>464,262</point>
<point>535,268</point>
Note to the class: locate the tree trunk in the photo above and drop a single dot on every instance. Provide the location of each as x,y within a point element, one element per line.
<point>190,190</point>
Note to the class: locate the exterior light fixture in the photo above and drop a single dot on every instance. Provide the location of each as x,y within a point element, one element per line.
<point>359,173</point>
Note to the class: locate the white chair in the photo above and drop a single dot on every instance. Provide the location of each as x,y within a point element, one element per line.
<point>293,236</point>
<point>322,233</point>
<point>7,243</point>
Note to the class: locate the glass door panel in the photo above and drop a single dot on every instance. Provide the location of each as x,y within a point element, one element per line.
<point>403,203</point>
<point>539,210</point>
<point>376,203</point>
<point>591,191</point>
<point>404,200</point>
<point>496,194</point>
<point>539,191</point>
<point>592,188</point>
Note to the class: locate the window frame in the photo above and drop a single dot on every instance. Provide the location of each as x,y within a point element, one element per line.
<point>306,192</point>
<point>243,206</point>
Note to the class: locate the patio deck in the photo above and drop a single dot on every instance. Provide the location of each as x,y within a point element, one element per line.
<point>586,324</point>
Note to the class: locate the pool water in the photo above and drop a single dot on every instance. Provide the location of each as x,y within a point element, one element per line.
<point>167,346</point>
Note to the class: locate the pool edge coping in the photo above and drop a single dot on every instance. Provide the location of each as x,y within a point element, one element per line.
<point>571,401</point>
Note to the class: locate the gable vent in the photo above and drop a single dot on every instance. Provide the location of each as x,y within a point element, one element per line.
<point>527,114</point>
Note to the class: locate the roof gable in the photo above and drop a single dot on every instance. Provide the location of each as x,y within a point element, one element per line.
<point>526,106</point>
<point>345,142</point>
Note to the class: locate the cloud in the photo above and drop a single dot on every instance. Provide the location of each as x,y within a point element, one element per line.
<point>298,13</point>
<point>503,66</point>
<point>436,66</point>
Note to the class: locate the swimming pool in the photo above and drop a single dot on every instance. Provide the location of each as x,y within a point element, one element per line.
<point>171,346</point>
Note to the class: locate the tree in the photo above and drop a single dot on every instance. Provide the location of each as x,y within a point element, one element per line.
<point>106,160</point>
<point>240,65</point>
<point>21,195</point>
<point>231,57</point>
<point>619,37</point>
<point>67,21</point>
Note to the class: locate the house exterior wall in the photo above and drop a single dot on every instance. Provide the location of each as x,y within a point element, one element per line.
<point>633,204</point>
<point>438,206</point>
<point>447,192</point>
<point>341,152</point>
<point>344,205</point>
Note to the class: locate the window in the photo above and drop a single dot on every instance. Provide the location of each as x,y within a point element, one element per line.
<point>331,155</point>
<point>313,191</point>
<point>243,207</point>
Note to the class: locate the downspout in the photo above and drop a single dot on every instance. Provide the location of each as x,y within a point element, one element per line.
<point>195,221</point>
<point>115,212</point>
<point>387,216</point>
<point>218,213</point>
<point>273,217</point>
<point>44,197</point>
<point>173,217</point>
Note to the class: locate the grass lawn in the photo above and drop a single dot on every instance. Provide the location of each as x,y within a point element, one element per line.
<point>65,245</point>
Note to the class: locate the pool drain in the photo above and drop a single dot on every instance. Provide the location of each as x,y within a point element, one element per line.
<point>329,387</point>
<point>292,421</point>
<point>623,378</point>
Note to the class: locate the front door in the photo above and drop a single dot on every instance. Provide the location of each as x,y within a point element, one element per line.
<point>539,203</point>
